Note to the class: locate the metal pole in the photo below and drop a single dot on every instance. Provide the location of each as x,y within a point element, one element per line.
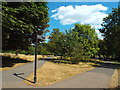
<point>35,69</point>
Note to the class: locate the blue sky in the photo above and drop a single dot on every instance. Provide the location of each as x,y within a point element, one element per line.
<point>64,15</point>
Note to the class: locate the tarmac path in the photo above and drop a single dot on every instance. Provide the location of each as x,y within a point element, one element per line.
<point>13,78</point>
<point>97,78</point>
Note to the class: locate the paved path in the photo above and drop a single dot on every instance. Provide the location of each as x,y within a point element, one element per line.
<point>10,80</point>
<point>97,78</point>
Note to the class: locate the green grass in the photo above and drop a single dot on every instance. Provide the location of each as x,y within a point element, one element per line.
<point>116,62</point>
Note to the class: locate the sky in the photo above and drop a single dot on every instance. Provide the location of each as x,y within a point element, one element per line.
<point>64,15</point>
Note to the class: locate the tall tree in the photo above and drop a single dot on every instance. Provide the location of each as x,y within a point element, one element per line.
<point>102,53</point>
<point>19,20</point>
<point>66,44</point>
<point>71,45</point>
<point>88,38</point>
<point>76,43</point>
<point>54,38</point>
<point>111,32</point>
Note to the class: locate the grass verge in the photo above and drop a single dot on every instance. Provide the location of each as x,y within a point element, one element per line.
<point>115,81</point>
<point>51,72</point>
<point>10,60</point>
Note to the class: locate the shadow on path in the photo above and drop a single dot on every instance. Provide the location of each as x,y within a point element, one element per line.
<point>18,75</point>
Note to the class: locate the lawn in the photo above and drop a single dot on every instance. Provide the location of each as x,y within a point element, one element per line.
<point>10,60</point>
<point>115,81</point>
<point>52,72</point>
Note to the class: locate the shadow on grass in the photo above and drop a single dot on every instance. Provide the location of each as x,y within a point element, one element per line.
<point>104,64</point>
<point>67,61</point>
<point>18,75</point>
<point>110,65</point>
<point>9,62</point>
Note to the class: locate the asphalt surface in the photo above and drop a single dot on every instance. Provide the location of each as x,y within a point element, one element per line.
<point>97,78</point>
<point>14,77</point>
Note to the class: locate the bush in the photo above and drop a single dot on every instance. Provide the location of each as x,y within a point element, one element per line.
<point>31,50</point>
<point>23,52</point>
<point>43,50</point>
<point>13,52</point>
<point>74,61</point>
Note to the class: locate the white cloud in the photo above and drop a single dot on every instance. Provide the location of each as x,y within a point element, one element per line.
<point>85,14</point>
<point>54,10</point>
<point>99,34</point>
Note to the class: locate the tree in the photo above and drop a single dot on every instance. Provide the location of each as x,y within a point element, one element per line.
<point>66,44</point>
<point>43,49</point>
<point>78,43</point>
<point>88,38</point>
<point>54,39</point>
<point>18,23</point>
<point>111,33</point>
<point>71,46</point>
<point>102,52</point>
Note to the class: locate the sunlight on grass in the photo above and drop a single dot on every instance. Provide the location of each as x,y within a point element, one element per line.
<point>19,56</point>
<point>22,56</point>
<point>115,79</point>
<point>51,72</point>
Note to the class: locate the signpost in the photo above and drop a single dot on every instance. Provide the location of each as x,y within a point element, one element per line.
<point>37,31</point>
<point>35,67</point>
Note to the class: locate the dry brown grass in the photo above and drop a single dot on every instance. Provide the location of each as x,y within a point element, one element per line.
<point>51,73</point>
<point>20,56</point>
<point>16,65</point>
<point>115,79</point>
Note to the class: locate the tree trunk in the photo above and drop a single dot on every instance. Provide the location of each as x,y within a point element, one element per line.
<point>16,52</point>
<point>61,57</point>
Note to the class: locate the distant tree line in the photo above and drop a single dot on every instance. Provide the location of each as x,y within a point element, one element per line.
<point>19,20</point>
<point>78,43</point>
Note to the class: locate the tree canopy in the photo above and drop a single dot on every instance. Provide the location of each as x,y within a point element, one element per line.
<point>77,43</point>
<point>88,38</point>
<point>19,20</point>
<point>111,32</point>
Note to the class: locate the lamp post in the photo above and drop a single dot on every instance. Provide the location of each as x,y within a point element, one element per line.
<point>35,67</point>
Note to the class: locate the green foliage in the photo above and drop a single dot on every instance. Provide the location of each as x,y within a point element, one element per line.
<point>54,42</point>
<point>78,43</point>
<point>88,38</point>
<point>23,52</point>
<point>18,23</point>
<point>103,49</point>
<point>43,50</point>
<point>111,32</point>
<point>13,52</point>
<point>31,50</point>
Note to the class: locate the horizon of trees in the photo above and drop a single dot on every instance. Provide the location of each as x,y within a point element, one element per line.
<point>18,26</point>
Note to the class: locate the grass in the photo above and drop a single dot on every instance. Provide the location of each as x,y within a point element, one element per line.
<point>10,60</point>
<point>116,62</point>
<point>115,81</point>
<point>52,72</point>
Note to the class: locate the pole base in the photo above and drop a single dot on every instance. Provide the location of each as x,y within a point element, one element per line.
<point>35,79</point>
